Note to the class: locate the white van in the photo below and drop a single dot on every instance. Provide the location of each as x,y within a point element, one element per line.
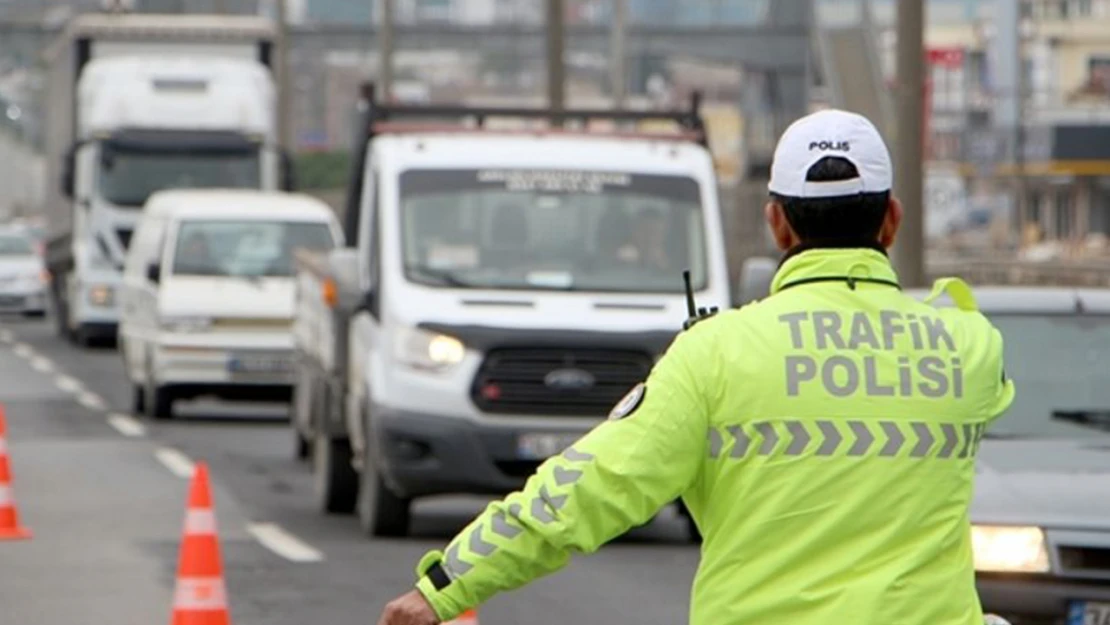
<point>207,302</point>
<point>501,293</point>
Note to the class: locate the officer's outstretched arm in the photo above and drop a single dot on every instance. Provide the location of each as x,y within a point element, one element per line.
<point>616,477</point>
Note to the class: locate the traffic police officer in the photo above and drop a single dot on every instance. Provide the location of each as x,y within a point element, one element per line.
<point>823,439</point>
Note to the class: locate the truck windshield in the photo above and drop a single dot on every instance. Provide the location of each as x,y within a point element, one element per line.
<point>246,249</point>
<point>568,230</point>
<point>1059,363</point>
<point>129,178</point>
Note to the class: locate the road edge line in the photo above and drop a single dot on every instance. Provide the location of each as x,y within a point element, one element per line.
<point>126,425</point>
<point>284,544</point>
<point>178,463</point>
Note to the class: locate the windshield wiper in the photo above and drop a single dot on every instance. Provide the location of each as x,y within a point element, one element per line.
<point>1096,419</point>
<point>445,276</point>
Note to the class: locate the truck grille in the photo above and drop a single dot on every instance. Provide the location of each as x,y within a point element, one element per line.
<point>544,381</point>
<point>1080,560</point>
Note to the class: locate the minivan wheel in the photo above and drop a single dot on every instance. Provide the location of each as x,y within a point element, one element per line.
<point>158,402</point>
<point>380,511</point>
<point>138,395</point>
<point>334,479</point>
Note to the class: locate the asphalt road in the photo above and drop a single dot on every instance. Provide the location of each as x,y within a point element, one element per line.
<point>105,493</point>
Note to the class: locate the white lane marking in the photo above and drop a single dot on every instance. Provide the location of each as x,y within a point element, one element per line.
<point>126,425</point>
<point>68,384</point>
<point>92,401</point>
<point>283,543</point>
<point>6,336</point>
<point>42,364</point>
<point>177,462</point>
<point>23,350</point>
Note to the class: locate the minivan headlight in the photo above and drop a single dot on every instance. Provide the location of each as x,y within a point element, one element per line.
<point>430,351</point>
<point>101,295</point>
<point>1009,549</point>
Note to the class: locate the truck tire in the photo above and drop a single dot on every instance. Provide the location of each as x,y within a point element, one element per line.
<point>381,513</point>
<point>693,535</point>
<point>336,481</point>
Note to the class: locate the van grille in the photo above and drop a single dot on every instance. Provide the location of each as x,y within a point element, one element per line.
<point>521,380</point>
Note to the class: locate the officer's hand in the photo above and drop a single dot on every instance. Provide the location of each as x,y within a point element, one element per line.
<point>409,609</point>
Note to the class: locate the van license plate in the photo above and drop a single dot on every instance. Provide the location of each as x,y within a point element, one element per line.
<point>1085,613</point>
<point>254,364</point>
<point>543,446</point>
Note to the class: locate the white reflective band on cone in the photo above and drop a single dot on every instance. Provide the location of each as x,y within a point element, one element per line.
<point>3,446</point>
<point>200,522</point>
<point>200,593</point>
<point>5,496</point>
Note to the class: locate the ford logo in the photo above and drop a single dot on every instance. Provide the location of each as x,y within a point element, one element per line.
<point>569,380</point>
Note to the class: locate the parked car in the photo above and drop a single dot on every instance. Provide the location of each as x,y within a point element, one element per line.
<point>23,277</point>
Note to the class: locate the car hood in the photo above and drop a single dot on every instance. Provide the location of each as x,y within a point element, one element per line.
<point>19,266</point>
<point>1045,482</point>
<point>227,297</point>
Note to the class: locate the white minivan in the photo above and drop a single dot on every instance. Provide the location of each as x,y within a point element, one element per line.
<point>207,302</point>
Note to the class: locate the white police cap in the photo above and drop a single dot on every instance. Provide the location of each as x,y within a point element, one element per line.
<point>831,132</point>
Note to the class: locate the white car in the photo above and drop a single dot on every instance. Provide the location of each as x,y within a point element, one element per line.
<point>23,277</point>
<point>207,302</point>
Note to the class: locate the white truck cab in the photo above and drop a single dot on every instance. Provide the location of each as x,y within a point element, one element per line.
<point>141,103</point>
<point>505,291</point>
<point>207,297</point>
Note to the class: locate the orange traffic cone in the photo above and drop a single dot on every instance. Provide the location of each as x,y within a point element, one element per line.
<point>470,617</point>
<point>200,597</point>
<point>9,516</point>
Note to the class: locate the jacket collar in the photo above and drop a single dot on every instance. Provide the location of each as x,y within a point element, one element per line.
<point>849,265</point>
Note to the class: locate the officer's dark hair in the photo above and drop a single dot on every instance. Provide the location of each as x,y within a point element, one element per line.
<point>854,218</point>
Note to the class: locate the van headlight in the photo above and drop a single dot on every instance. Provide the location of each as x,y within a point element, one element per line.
<point>430,351</point>
<point>101,295</point>
<point>1009,549</point>
<point>186,324</point>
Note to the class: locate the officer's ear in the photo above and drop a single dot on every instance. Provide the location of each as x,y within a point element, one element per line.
<point>783,233</point>
<point>888,232</point>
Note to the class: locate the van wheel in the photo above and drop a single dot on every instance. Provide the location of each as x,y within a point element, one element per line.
<point>336,482</point>
<point>138,405</point>
<point>380,511</point>
<point>158,402</point>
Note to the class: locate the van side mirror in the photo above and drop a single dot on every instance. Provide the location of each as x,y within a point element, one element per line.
<point>288,172</point>
<point>154,273</point>
<point>67,178</point>
<point>756,275</point>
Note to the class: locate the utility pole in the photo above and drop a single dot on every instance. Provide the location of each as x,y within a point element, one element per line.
<point>556,70</point>
<point>285,78</point>
<point>385,51</point>
<point>619,79</point>
<point>909,249</point>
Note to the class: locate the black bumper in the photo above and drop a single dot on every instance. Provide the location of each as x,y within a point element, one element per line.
<point>431,455</point>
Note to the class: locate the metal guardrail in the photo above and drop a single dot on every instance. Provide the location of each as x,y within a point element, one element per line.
<point>1023,273</point>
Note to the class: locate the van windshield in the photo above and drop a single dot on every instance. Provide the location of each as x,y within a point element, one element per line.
<point>248,249</point>
<point>568,230</point>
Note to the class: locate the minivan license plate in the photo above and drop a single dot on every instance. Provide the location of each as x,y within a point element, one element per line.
<point>259,365</point>
<point>1085,613</point>
<point>543,446</point>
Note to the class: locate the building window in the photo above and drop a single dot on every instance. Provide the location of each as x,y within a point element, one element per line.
<point>1064,217</point>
